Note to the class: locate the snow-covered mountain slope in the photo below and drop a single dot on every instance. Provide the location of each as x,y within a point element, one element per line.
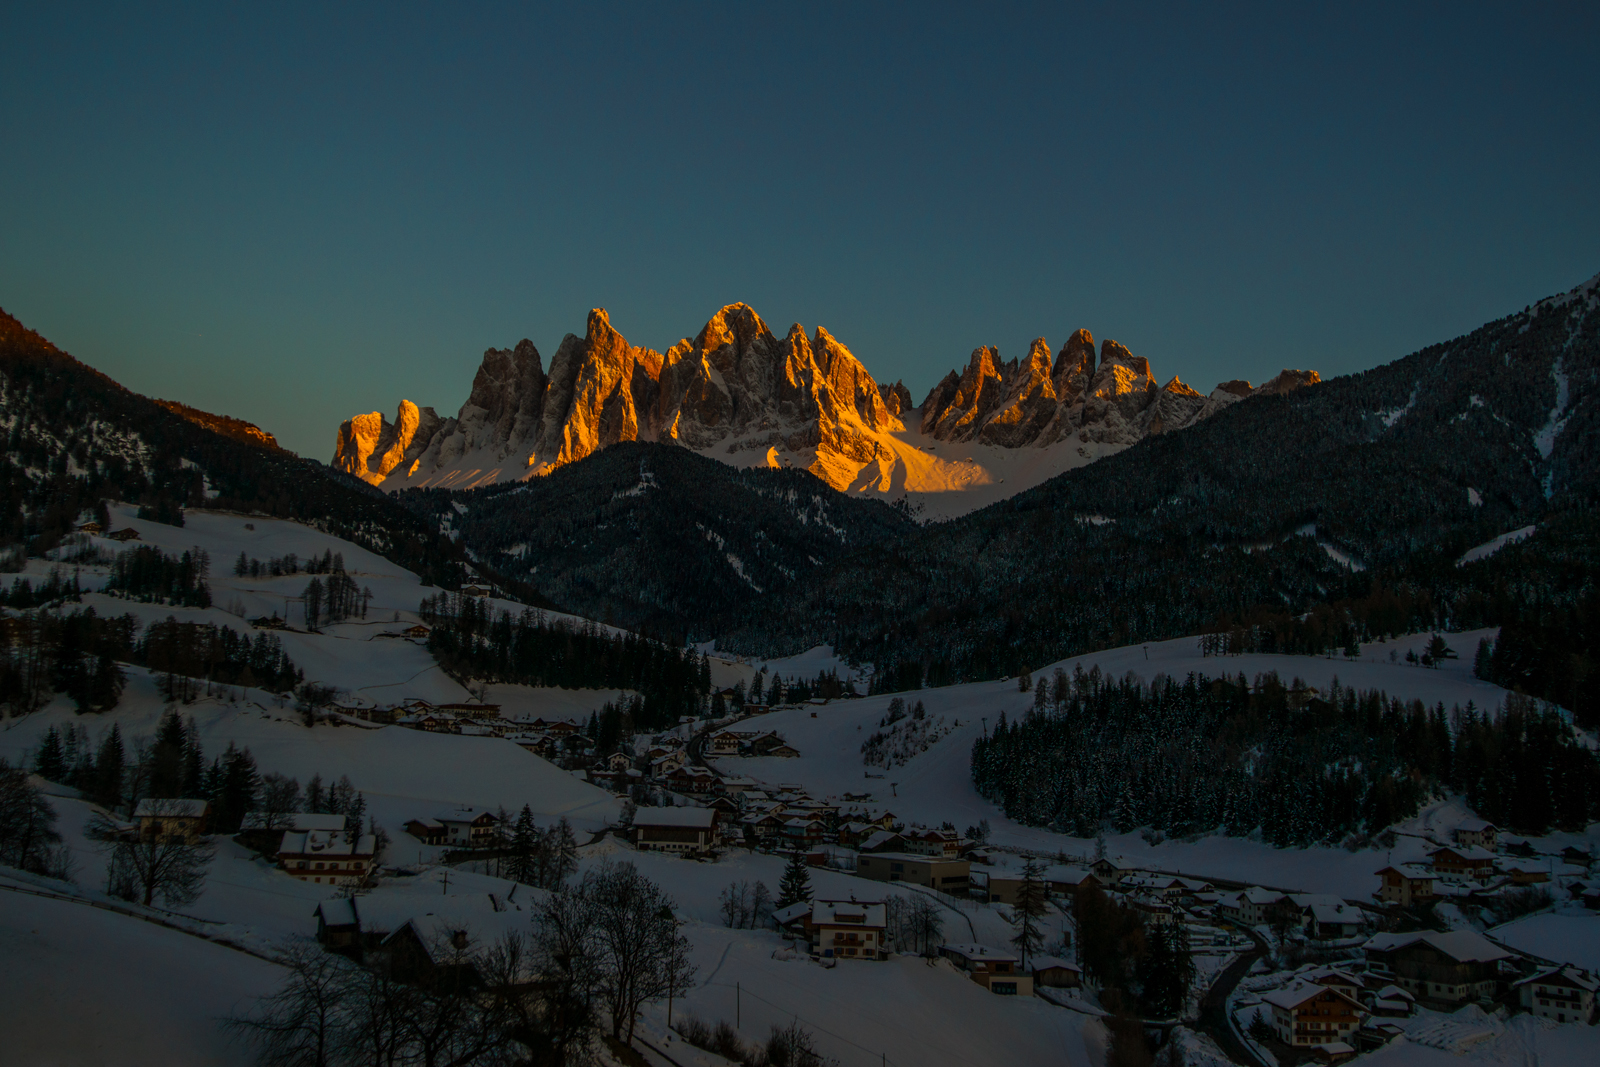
<point>935,785</point>
<point>739,394</point>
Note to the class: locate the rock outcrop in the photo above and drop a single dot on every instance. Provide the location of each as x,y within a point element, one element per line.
<point>737,391</point>
<point>1035,403</point>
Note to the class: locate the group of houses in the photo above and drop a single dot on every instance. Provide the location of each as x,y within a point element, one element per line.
<point>1473,867</point>
<point>1341,1010</point>
<point>859,930</point>
<point>308,846</point>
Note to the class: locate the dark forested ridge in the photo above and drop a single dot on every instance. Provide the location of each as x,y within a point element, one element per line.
<point>655,536</point>
<point>74,437</point>
<point>1298,767</point>
<point>1240,522</point>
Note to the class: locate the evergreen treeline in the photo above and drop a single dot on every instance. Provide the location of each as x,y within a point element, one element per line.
<point>78,652</point>
<point>1208,754</point>
<point>471,641</point>
<point>117,776</point>
<point>147,574</point>
<point>1550,649</point>
<point>655,537</point>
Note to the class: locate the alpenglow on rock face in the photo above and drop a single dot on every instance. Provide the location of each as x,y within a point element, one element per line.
<point>740,394</point>
<point>1037,403</point>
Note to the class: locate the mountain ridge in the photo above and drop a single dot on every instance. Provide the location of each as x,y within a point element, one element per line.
<point>738,393</point>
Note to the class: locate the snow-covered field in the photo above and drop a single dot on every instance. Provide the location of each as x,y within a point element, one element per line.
<point>936,786</point>
<point>84,986</point>
<point>1568,936</point>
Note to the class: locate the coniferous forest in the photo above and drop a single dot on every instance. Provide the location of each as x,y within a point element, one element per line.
<point>1224,754</point>
<point>471,640</point>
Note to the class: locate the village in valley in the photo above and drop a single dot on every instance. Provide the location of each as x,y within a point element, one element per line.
<point>825,879</point>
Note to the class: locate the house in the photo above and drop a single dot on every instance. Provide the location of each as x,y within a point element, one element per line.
<point>327,857</point>
<point>474,590</point>
<point>1154,910</point>
<point>848,929</point>
<point>1066,879</point>
<point>1525,873</point>
<point>949,876</point>
<point>1249,907</point>
<point>170,820</point>
<point>338,924</point>
<point>772,745</point>
<point>682,830</point>
<point>269,622</point>
<point>1475,833</point>
<point>1406,884</point>
<point>851,834</point>
<point>1445,968</point>
<point>691,780</point>
<point>923,842</point>
<point>1335,978</point>
<point>1392,1002</point>
<point>1466,861</point>
<point>90,527</point>
<point>127,533</point>
<point>418,630</point>
<point>1565,994</point>
<point>1332,922</point>
<point>802,832</point>
<point>469,828</point>
<point>1305,1014</point>
<point>725,742</point>
<point>428,831</point>
<point>1109,868</point>
<point>881,841</point>
<point>433,952</point>
<point>263,831</point>
<point>476,711</point>
<point>993,969</point>
<point>1053,973</point>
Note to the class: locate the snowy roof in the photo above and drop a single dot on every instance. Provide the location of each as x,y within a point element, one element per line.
<point>1474,826</point>
<point>1052,963</point>
<point>1466,852</point>
<point>1463,946</point>
<point>326,843</point>
<point>694,818</point>
<point>878,840</point>
<point>1567,975</point>
<point>1410,870</point>
<point>1297,993</point>
<point>170,808</point>
<point>295,820</point>
<point>1256,895</point>
<point>913,857</point>
<point>1335,913</point>
<point>849,912</point>
<point>340,911</point>
<point>1394,992</point>
<point>784,916</point>
<point>979,953</point>
<point>1066,872</point>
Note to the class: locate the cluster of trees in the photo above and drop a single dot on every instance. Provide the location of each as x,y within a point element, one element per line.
<point>744,906</point>
<point>29,840</point>
<point>914,923</point>
<point>538,856</point>
<point>899,737</point>
<point>188,653</point>
<point>1207,754</point>
<point>1550,650</point>
<point>147,574</point>
<point>470,640</point>
<point>56,586</point>
<point>277,798</point>
<point>341,597</point>
<point>599,949</point>
<point>658,560</point>
<point>117,774</point>
<point>1143,969</point>
<point>290,563</point>
<point>787,1046</point>
<point>80,653</point>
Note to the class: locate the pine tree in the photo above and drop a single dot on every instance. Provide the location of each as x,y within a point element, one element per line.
<point>316,797</point>
<point>241,566</point>
<point>563,847</point>
<point>524,839</point>
<point>795,888</point>
<point>355,814</point>
<point>50,763</point>
<point>108,769</point>
<point>1031,904</point>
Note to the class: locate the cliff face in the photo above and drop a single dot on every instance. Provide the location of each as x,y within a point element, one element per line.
<point>736,391</point>
<point>1035,403</point>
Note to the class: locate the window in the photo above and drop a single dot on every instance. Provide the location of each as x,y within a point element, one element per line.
<point>1005,989</point>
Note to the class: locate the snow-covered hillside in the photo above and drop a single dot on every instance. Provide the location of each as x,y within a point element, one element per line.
<point>936,786</point>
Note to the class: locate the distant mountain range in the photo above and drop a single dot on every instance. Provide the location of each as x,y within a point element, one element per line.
<point>738,394</point>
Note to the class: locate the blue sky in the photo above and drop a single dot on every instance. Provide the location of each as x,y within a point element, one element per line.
<point>292,215</point>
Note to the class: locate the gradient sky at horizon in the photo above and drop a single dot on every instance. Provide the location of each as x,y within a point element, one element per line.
<point>293,214</point>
